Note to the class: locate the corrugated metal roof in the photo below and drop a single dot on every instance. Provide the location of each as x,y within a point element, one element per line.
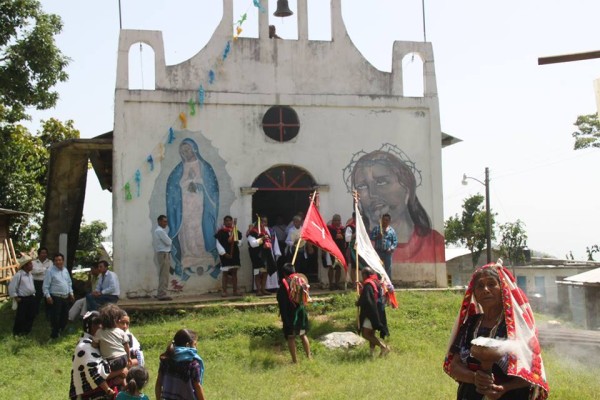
<point>5,211</point>
<point>587,277</point>
<point>454,252</point>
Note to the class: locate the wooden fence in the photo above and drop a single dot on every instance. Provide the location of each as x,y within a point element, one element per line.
<point>8,266</point>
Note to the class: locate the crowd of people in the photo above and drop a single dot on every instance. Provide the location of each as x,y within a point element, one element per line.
<point>270,247</point>
<point>41,284</point>
<point>494,351</point>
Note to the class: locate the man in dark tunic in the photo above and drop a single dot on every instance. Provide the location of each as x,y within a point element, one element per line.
<point>228,242</point>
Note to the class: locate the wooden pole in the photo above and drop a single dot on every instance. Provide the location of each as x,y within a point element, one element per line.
<point>355,196</point>
<point>312,199</point>
<point>16,262</point>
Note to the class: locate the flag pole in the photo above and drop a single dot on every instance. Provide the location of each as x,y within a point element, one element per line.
<point>312,199</point>
<point>355,196</point>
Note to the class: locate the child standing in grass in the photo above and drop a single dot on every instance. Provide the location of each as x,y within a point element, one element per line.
<point>181,371</point>
<point>112,341</point>
<point>137,377</point>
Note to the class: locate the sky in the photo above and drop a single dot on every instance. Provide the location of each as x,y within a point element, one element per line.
<point>513,116</point>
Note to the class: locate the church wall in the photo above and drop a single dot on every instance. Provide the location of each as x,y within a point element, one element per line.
<point>344,116</point>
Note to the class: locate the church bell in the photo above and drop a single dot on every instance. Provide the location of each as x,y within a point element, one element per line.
<point>283,9</point>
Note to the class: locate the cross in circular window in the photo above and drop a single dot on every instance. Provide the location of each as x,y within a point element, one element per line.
<point>281,123</point>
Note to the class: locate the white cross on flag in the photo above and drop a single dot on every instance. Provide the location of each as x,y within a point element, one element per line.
<point>316,232</point>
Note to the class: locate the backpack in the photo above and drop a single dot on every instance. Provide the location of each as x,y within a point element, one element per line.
<point>297,288</point>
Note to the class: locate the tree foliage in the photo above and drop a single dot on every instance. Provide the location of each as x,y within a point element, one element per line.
<point>513,240</point>
<point>30,66</point>
<point>30,62</point>
<point>588,134</point>
<point>470,228</point>
<point>591,250</point>
<point>24,161</point>
<point>90,238</point>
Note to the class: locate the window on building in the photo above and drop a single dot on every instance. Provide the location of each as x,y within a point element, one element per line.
<point>281,123</point>
<point>522,283</point>
<point>540,285</point>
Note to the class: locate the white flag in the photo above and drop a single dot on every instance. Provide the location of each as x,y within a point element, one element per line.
<point>365,249</point>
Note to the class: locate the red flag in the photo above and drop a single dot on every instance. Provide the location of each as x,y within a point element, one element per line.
<point>316,232</point>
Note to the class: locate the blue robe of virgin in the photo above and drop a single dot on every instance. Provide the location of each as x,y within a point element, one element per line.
<point>210,190</point>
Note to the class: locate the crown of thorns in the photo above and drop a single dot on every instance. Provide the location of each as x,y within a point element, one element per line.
<point>386,148</point>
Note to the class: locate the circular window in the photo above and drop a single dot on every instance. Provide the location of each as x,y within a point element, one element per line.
<point>281,123</point>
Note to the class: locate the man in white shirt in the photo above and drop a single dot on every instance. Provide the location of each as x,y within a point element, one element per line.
<point>40,266</point>
<point>162,247</point>
<point>107,289</point>
<point>22,290</point>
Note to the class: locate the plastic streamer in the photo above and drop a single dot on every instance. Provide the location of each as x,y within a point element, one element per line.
<point>171,136</point>
<point>138,181</point>
<point>150,161</point>
<point>128,191</point>
<point>238,30</point>
<point>183,119</point>
<point>192,104</point>
<point>227,50</point>
<point>242,18</point>
<point>258,5</point>
<point>201,95</point>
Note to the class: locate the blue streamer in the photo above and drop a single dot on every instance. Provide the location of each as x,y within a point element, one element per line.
<point>138,180</point>
<point>171,136</point>
<point>227,49</point>
<point>211,76</point>
<point>150,161</point>
<point>259,6</point>
<point>201,95</point>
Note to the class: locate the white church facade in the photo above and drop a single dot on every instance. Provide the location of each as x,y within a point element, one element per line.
<point>253,126</point>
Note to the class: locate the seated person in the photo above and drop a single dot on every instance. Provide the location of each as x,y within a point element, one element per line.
<point>107,289</point>
<point>79,308</point>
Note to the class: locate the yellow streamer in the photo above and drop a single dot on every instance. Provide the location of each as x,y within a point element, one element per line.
<point>183,119</point>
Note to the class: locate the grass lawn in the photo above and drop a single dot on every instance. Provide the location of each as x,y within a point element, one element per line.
<point>246,356</point>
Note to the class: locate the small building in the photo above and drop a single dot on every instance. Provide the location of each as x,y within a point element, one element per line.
<point>539,278</point>
<point>584,297</point>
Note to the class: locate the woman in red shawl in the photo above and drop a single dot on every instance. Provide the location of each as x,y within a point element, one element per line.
<point>495,308</point>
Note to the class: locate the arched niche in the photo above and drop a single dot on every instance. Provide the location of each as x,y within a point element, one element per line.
<point>142,74</point>
<point>413,78</point>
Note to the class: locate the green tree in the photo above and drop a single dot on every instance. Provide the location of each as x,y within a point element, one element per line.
<point>513,240</point>
<point>470,228</point>
<point>30,62</point>
<point>24,165</point>
<point>90,238</point>
<point>591,250</point>
<point>30,66</point>
<point>588,134</point>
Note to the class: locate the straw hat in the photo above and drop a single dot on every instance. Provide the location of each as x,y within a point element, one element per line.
<point>24,260</point>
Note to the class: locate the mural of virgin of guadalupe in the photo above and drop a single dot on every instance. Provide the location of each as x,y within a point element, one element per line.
<point>386,183</point>
<point>192,210</point>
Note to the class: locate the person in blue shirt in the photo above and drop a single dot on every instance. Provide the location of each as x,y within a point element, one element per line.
<point>58,292</point>
<point>107,289</point>
<point>386,242</point>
